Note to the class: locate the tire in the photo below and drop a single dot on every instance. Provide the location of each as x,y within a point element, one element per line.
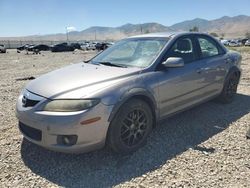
<point>130,127</point>
<point>230,88</point>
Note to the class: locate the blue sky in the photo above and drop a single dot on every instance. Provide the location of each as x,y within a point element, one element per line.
<point>31,17</point>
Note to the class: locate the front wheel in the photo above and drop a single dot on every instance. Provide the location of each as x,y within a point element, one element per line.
<point>230,88</point>
<point>130,127</point>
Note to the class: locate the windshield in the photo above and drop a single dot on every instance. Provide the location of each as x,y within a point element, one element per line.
<point>131,52</point>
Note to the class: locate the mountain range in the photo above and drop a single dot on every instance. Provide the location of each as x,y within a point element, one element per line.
<point>227,27</point>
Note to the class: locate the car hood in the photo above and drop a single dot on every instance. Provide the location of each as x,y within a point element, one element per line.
<point>84,76</point>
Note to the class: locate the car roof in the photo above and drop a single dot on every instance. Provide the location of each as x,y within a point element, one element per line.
<point>164,34</point>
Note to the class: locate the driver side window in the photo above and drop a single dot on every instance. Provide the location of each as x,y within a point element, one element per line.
<point>184,49</point>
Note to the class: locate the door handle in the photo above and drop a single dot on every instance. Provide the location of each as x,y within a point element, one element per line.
<point>206,69</point>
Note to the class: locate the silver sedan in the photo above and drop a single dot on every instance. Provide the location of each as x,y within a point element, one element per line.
<point>117,97</point>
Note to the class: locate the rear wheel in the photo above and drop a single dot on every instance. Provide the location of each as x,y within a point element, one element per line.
<point>130,127</point>
<point>230,88</point>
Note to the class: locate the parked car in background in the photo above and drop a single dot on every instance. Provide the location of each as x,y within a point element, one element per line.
<point>23,47</point>
<point>41,47</point>
<point>92,46</point>
<point>63,47</point>
<point>30,47</point>
<point>243,41</point>
<point>247,43</point>
<point>76,45</point>
<point>2,48</point>
<point>234,43</point>
<point>38,48</point>
<point>101,46</point>
<point>87,46</point>
<point>225,42</point>
<point>137,82</point>
<point>110,44</point>
<point>34,48</point>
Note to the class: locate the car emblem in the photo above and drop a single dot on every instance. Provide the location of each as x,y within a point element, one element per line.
<point>24,100</point>
<point>25,97</point>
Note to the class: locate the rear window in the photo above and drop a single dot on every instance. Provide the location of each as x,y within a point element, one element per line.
<point>208,47</point>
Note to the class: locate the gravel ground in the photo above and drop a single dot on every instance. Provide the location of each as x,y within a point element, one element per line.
<point>203,147</point>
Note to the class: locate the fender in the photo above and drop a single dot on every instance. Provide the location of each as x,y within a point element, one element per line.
<point>133,93</point>
<point>233,69</point>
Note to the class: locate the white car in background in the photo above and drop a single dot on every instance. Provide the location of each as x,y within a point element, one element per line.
<point>234,43</point>
<point>225,42</point>
<point>87,46</point>
<point>247,43</point>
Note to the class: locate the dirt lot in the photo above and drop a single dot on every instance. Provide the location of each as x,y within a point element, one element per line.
<point>202,147</point>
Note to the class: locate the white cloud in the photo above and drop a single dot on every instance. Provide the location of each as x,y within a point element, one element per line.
<point>70,28</point>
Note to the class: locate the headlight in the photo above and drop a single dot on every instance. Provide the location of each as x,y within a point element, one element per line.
<point>70,105</point>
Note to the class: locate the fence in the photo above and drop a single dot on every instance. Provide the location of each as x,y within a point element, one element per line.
<point>17,43</point>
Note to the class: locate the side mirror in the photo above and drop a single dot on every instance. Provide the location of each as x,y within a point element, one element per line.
<point>173,62</point>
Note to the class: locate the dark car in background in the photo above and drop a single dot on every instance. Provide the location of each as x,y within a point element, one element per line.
<point>23,47</point>
<point>101,46</point>
<point>41,47</point>
<point>62,47</point>
<point>34,48</point>
<point>30,47</point>
<point>243,41</point>
<point>76,45</point>
<point>2,48</point>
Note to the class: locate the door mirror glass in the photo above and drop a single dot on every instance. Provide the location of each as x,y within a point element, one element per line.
<point>173,62</point>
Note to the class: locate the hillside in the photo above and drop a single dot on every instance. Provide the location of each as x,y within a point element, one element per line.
<point>229,27</point>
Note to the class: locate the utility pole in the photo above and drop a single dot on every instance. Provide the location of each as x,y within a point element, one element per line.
<point>67,35</point>
<point>95,35</point>
<point>141,28</point>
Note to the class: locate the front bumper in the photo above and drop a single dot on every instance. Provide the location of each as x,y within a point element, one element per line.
<point>53,124</point>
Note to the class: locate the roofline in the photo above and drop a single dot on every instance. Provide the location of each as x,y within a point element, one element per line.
<point>165,34</point>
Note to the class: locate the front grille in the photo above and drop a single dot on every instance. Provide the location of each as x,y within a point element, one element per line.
<point>28,102</point>
<point>30,132</point>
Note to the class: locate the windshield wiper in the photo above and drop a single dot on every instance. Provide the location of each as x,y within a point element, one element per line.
<point>112,64</point>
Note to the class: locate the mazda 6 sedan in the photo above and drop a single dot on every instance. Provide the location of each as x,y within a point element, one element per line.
<point>116,98</point>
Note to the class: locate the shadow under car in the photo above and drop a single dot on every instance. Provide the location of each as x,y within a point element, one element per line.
<point>170,138</point>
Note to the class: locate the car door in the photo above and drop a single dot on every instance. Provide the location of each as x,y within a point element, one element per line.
<point>183,86</point>
<point>214,60</point>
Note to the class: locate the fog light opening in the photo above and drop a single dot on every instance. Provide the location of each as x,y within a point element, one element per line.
<point>67,140</point>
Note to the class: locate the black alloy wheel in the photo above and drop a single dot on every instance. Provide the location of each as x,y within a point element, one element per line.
<point>130,127</point>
